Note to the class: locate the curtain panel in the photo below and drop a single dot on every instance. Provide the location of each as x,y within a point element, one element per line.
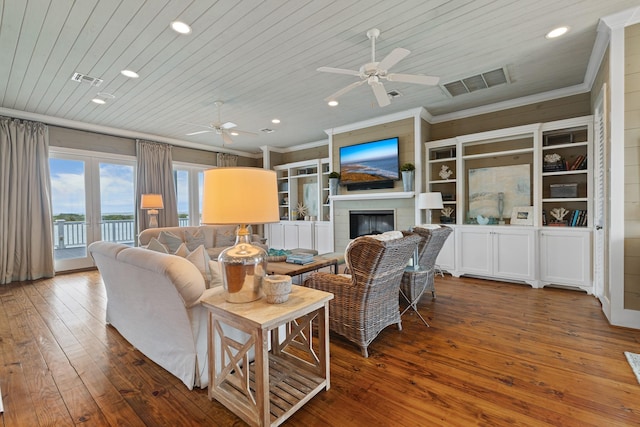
<point>155,176</point>
<point>26,222</point>
<point>226,160</point>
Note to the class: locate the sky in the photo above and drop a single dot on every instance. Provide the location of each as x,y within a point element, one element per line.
<point>116,187</point>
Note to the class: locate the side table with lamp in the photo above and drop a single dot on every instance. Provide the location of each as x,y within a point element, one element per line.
<point>247,377</point>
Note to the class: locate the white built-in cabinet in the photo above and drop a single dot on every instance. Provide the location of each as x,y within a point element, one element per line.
<point>500,252</point>
<point>305,182</point>
<point>543,252</point>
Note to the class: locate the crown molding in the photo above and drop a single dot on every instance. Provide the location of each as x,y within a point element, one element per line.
<point>73,124</point>
<point>512,103</point>
<point>412,113</point>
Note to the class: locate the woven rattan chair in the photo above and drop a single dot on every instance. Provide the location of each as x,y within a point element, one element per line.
<point>366,301</point>
<point>415,283</point>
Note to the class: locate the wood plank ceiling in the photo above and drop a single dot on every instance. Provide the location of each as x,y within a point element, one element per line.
<point>260,57</point>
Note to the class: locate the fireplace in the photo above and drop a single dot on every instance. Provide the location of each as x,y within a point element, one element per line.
<point>370,222</point>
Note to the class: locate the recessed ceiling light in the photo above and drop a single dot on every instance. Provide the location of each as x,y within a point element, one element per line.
<point>98,101</point>
<point>275,121</point>
<point>557,32</point>
<point>180,27</point>
<point>129,73</point>
<point>332,103</point>
<point>106,95</point>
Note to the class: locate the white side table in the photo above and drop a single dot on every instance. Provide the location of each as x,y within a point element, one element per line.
<point>269,389</point>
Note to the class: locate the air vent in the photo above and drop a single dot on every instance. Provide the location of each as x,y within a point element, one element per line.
<point>82,78</point>
<point>479,81</point>
<point>394,94</point>
<point>267,130</point>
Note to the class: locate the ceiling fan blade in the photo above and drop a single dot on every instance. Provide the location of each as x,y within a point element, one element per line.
<point>413,78</point>
<point>344,90</point>
<point>393,58</point>
<point>196,124</point>
<point>380,93</point>
<point>228,125</point>
<point>338,71</point>
<point>198,132</point>
<point>243,132</point>
<point>226,138</point>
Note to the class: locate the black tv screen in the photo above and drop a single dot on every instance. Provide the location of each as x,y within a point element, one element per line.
<point>372,161</point>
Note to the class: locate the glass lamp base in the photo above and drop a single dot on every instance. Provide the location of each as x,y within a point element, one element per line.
<point>243,268</point>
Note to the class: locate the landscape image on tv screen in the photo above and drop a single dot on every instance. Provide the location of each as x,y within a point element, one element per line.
<point>370,161</point>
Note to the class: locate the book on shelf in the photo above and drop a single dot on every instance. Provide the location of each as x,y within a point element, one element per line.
<point>583,164</point>
<point>544,217</point>
<point>577,162</point>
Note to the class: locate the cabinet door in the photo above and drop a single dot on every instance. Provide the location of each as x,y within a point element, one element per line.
<point>323,233</point>
<point>290,235</point>
<point>474,253</point>
<point>565,258</point>
<point>305,235</point>
<point>447,257</point>
<point>514,254</point>
<point>276,236</point>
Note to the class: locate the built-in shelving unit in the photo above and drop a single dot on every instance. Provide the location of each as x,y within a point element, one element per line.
<point>542,168</point>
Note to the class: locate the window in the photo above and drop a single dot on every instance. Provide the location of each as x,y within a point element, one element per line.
<point>189,182</point>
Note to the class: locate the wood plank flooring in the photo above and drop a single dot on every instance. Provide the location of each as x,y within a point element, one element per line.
<point>496,354</point>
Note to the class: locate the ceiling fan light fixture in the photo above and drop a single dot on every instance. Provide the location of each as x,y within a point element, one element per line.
<point>234,133</point>
<point>98,101</point>
<point>275,121</point>
<point>333,103</point>
<point>180,27</point>
<point>557,32</point>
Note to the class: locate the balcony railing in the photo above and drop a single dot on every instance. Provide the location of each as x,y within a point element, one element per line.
<point>73,234</point>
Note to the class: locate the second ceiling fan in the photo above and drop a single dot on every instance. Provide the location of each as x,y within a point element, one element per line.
<point>225,130</point>
<point>373,72</point>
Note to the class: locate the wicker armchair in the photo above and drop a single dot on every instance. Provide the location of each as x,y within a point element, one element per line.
<point>366,301</point>
<point>415,283</point>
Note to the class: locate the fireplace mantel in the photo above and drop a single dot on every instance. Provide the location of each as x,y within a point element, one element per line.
<point>374,196</point>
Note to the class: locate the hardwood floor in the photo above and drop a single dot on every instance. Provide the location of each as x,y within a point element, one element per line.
<point>495,354</point>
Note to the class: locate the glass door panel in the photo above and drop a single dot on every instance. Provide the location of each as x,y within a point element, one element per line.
<point>69,203</point>
<point>117,203</point>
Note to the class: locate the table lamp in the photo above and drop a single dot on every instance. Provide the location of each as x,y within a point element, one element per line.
<point>241,195</point>
<point>430,201</point>
<point>151,203</point>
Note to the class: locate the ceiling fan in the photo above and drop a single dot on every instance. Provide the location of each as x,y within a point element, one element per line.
<point>373,72</point>
<point>226,130</point>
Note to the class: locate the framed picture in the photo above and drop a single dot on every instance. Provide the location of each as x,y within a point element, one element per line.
<point>522,215</point>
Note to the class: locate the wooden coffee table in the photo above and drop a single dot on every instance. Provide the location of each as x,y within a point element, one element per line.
<point>296,269</point>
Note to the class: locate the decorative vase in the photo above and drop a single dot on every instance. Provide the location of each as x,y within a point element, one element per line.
<point>407,180</point>
<point>277,288</point>
<point>333,186</point>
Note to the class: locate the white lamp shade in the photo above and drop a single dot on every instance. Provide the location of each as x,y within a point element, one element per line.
<point>239,195</point>
<point>430,201</point>
<point>151,201</point>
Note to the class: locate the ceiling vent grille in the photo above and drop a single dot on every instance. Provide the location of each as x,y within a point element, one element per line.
<point>267,130</point>
<point>479,81</point>
<point>394,94</point>
<point>83,78</point>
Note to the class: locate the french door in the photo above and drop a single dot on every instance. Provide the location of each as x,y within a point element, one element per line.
<point>92,199</point>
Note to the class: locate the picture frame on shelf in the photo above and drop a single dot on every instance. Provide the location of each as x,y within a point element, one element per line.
<point>522,215</point>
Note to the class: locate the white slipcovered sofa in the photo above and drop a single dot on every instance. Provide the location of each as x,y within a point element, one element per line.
<point>153,300</point>
<point>216,237</point>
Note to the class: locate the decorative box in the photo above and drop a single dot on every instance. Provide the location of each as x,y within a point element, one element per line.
<point>563,190</point>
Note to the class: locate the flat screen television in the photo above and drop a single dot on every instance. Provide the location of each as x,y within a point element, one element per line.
<point>374,164</point>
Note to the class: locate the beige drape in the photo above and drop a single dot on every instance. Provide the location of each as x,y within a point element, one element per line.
<point>26,223</point>
<point>226,160</point>
<point>155,176</point>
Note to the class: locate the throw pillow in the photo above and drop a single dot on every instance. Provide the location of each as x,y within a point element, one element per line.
<point>182,251</point>
<point>216,274</point>
<point>200,259</point>
<point>155,245</point>
<point>170,240</point>
<point>193,240</point>
<point>225,236</point>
